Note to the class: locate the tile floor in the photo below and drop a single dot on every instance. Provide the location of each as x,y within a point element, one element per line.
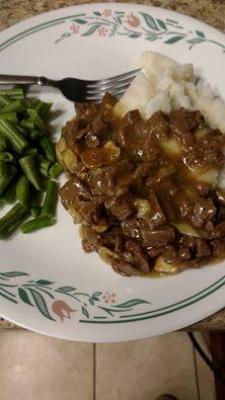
<point>34,367</point>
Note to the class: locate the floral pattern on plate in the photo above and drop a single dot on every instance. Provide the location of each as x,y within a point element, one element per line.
<point>109,23</point>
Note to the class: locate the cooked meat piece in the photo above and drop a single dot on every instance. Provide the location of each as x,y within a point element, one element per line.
<point>220,215</point>
<point>136,140</point>
<point>98,126</point>
<point>203,189</point>
<point>113,240</point>
<point>202,249</point>
<point>187,241</point>
<point>124,268</point>
<point>154,251</point>
<point>218,247</point>
<point>91,240</point>
<point>185,206</point>
<point>68,194</point>
<point>183,121</point>
<point>81,188</point>
<point>105,180</point>
<point>203,211</point>
<point>91,212</point>
<point>218,230</point>
<point>209,153</point>
<point>73,132</point>
<point>184,253</point>
<point>220,196</point>
<point>140,259</point>
<point>120,207</point>
<point>157,238</point>
<point>159,126</point>
<point>131,228</point>
<point>169,255</point>
<point>91,140</point>
<point>87,247</point>
<point>157,216</point>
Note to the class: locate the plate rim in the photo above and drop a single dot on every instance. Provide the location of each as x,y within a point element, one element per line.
<point>101,5</point>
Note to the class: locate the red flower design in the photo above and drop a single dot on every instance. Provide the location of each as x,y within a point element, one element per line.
<point>107,12</point>
<point>75,28</point>
<point>109,297</point>
<point>102,31</point>
<point>62,310</point>
<point>133,20</point>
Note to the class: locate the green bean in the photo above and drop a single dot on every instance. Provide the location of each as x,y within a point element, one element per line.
<point>4,100</point>
<point>35,134</point>
<point>27,124</point>
<point>35,211</point>
<point>12,220</point>
<point>32,151</point>
<point>10,132</point>
<point>55,170</point>
<point>7,178</point>
<point>48,148</point>
<point>50,200</point>
<point>15,93</point>
<point>29,167</point>
<point>35,118</point>
<point>9,194</point>
<point>23,191</point>
<point>10,116</point>
<point>6,156</point>
<point>3,169</point>
<point>37,223</point>
<point>44,167</point>
<point>43,109</point>
<point>3,144</point>
<point>22,130</point>
<point>15,106</point>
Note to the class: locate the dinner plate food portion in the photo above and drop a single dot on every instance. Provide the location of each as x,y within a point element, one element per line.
<point>147,172</point>
<point>132,233</point>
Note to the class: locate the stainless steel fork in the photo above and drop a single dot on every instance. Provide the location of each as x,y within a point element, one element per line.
<point>78,90</point>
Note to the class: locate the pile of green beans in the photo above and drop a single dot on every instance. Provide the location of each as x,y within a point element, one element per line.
<point>27,163</point>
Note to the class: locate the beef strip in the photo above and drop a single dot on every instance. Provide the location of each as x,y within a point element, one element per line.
<point>140,259</point>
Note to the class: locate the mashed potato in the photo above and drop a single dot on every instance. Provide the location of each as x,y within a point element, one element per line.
<point>164,85</point>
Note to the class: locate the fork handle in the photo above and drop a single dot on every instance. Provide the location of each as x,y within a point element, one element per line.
<point>25,80</point>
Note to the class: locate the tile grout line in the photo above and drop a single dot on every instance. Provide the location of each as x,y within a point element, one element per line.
<point>94,371</point>
<point>196,373</point>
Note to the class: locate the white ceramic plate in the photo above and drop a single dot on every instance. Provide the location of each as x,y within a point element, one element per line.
<point>47,283</point>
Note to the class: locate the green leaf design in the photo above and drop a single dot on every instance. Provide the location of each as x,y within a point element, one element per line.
<point>13,274</point>
<point>172,20</point>
<point>200,33</point>
<point>97,13</point>
<point>24,296</point>
<point>174,39</point>
<point>91,301</point>
<point>162,24</point>
<point>40,303</point>
<point>66,289</point>
<point>196,40</point>
<point>152,37</point>
<point>150,21</point>
<point>90,31</point>
<point>131,303</point>
<point>44,282</point>
<point>135,35</point>
<point>97,294</point>
<point>118,19</point>
<point>85,312</point>
<point>80,21</point>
